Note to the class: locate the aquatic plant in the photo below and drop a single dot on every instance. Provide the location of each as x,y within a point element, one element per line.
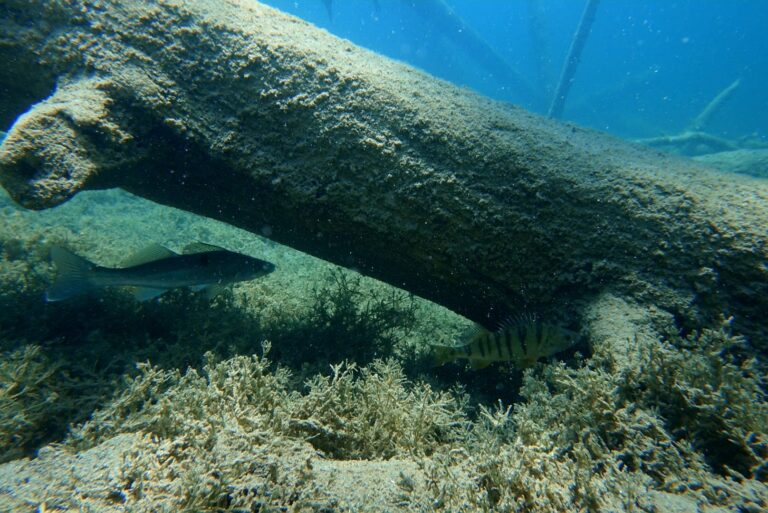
<point>369,412</point>
<point>29,400</point>
<point>572,444</point>
<point>604,434</point>
<point>709,391</point>
<point>217,425</point>
<point>344,320</point>
<point>374,412</point>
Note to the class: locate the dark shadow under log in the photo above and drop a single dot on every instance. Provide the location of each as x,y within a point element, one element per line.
<point>233,110</point>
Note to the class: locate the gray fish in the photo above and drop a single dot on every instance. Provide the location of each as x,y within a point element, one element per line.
<point>520,342</point>
<point>155,270</point>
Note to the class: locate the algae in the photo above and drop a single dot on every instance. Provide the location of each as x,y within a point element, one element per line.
<point>602,436</point>
<point>369,413</point>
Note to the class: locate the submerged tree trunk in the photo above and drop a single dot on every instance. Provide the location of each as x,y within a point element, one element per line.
<point>233,110</point>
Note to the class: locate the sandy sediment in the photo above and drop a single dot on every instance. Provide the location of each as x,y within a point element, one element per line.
<point>144,474</point>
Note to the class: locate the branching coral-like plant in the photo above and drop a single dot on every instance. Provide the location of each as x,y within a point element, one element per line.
<point>709,393</point>
<point>374,412</point>
<point>345,320</point>
<point>241,393</point>
<point>574,443</point>
<point>236,414</point>
<point>29,400</point>
<point>603,434</point>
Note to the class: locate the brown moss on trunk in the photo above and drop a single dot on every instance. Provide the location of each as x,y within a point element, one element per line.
<point>235,111</point>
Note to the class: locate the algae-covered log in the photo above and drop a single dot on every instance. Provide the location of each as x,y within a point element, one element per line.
<point>235,111</point>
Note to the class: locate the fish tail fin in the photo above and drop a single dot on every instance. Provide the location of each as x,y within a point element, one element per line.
<point>74,275</point>
<point>442,355</point>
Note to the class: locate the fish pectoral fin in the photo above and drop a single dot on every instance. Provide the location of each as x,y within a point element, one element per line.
<point>211,291</point>
<point>150,253</point>
<point>442,355</point>
<point>478,364</point>
<point>147,293</point>
<point>214,290</point>
<point>200,247</point>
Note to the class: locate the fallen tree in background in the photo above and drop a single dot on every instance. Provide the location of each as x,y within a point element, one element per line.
<point>235,111</point>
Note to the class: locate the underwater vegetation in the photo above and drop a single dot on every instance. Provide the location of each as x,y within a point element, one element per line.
<point>343,400</point>
<point>601,435</point>
<point>235,434</point>
<point>29,401</point>
<point>345,321</point>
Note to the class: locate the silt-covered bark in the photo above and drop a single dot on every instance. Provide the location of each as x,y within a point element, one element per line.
<point>233,110</point>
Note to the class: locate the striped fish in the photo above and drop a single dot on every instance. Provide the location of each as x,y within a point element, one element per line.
<point>520,342</point>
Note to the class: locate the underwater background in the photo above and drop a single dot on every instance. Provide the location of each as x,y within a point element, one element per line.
<point>648,68</point>
<point>315,388</point>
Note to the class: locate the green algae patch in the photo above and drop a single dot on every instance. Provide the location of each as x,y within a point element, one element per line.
<point>345,318</point>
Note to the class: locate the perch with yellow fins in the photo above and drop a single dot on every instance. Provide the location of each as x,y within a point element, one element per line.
<point>521,342</point>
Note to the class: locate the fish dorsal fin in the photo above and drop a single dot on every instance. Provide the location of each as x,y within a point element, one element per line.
<point>514,321</point>
<point>148,254</point>
<point>200,247</point>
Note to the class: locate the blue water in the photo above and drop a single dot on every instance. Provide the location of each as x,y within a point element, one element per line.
<point>648,68</point>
